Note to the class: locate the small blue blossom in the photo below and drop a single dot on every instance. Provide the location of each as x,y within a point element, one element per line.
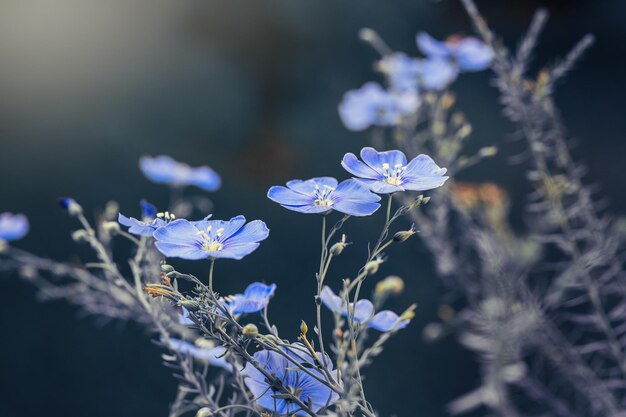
<point>147,225</point>
<point>13,226</point>
<point>205,350</point>
<point>383,321</point>
<point>254,299</point>
<point>469,53</point>
<point>372,105</point>
<point>183,318</point>
<point>203,239</point>
<point>304,386</point>
<point>165,170</point>
<point>323,194</point>
<point>70,205</point>
<point>406,73</point>
<point>388,172</point>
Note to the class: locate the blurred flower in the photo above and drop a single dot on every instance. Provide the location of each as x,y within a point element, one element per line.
<point>406,73</point>
<point>13,226</point>
<point>165,170</point>
<point>70,205</point>
<point>363,310</point>
<point>203,239</point>
<point>214,355</point>
<point>322,194</point>
<point>372,105</point>
<point>183,317</point>
<point>469,53</point>
<point>383,321</point>
<point>147,225</point>
<point>388,172</point>
<point>254,299</point>
<point>302,385</point>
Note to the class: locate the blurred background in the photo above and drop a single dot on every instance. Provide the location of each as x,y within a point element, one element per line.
<point>251,89</point>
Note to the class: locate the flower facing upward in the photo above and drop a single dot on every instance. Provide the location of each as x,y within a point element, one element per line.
<point>372,105</point>
<point>388,172</point>
<point>147,225</point>
<point>322,194</point>
<point>165,170</point>
<point>203,239</point>
<point>363,311</point>
<point>254,299</point>
<point>302,385</point>
<point>469,53</point>
<point>13,226</point>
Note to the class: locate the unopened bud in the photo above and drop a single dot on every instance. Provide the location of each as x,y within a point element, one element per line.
<point>167,268</point>
<point>304,328</point>
<point>190,305</point>
<point>80,235</point>
<point>391,285</point>
<point>71,206</point>
<point>488,151</point>
<point>372,267</point>
<point>173,274</point>
<point>111,227</point>
<point>204,412</point>
<point>250,330</point>
<point>338,247</point>
<point>404,234</point>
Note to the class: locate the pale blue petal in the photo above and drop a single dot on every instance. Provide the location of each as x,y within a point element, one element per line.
<point>255,231</point>
<point>177,250</point>
<point>205,178</point>
<point>363,311</point>
<point>285,196</point>
<point>436,73</point>
<point>353,198</point>
<point>309,209</point>
<point>332,301</point>
<point>179,231</point>
<point>380,186</point>
<point>473,55</point>
<point>360,169</point>
<point>13,226</point>
<point>430,46</point>
<point>234,251</point>
<point>385,320</point>
<point>422,174</point>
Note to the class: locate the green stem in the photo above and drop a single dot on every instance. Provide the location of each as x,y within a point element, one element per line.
<point>211,274</point>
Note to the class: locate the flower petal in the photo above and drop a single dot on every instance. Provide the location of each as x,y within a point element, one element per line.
<point>179,231</point>
<point>234,251</point>
<point>385,320</point>
<point>255,231</point>
<point>352,164</point>
<point>285,196</point>
<point>177,250</point>
<point>422,174</point>
<point>430,46</point>
<point>332,301</point>
<point>363,311</point>
<point>353,198</point>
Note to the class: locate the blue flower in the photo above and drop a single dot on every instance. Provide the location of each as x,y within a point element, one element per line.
<point>388,172</point>
<point>183,318</point>
<point>254,299</point>
<point>383,321</point>
<point>147,225</point>
<point>13,226</point>
<point>202,350</point>
<point>372,105</point>
<point>165,170</point>
<point>322,194</point>
<point>469,53</point>
<point>203,239</point>
<point>406,73</point>
<point>308,389</point>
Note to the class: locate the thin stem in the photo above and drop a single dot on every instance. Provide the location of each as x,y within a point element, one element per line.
<point>211,275</point>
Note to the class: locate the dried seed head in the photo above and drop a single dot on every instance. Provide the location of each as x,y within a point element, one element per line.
<point>250,330</point>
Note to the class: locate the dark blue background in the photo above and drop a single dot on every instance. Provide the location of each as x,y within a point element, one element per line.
<point>250,88</point>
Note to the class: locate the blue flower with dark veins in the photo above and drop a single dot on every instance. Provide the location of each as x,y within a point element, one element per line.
<point>165,170</point>
<point>269,395</point>
<point>388,172</point>
<point>147,225</point>
<point>13,226</point>
<point>323,194</point>
<point>203,350</point>
<point>363,311</point>
<point>254,299</point>
<point>371,105</point>
<point>469,53</point>
<point>232,239</point>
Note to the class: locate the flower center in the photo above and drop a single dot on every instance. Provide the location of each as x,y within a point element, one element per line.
<point>211,241</point>
<point>393,176</point>
<point>322,196</point>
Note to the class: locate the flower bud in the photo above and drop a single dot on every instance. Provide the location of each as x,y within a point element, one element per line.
<point>338,247</point>
<point>304,328</point>
<point>80,235</point>
<point>250,330</point>
<point>372,267</point>
<point>111,227</point>
<point>204,412</point>
<point>488,151</point>
<point>190,305</point>
<point>167,268</point>
<point>404,234</point>
<point>71,206</point>
<point>391,285</point>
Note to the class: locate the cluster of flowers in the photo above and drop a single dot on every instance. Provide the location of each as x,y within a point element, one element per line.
<point>376,173</point>
<point>407,77</point>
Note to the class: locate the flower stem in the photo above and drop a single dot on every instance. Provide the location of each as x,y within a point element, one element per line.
<point>211,275</point>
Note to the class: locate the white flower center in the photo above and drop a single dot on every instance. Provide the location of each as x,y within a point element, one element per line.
<point>393,176</point>
<point>322,195</point>
<point>211,242</point>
